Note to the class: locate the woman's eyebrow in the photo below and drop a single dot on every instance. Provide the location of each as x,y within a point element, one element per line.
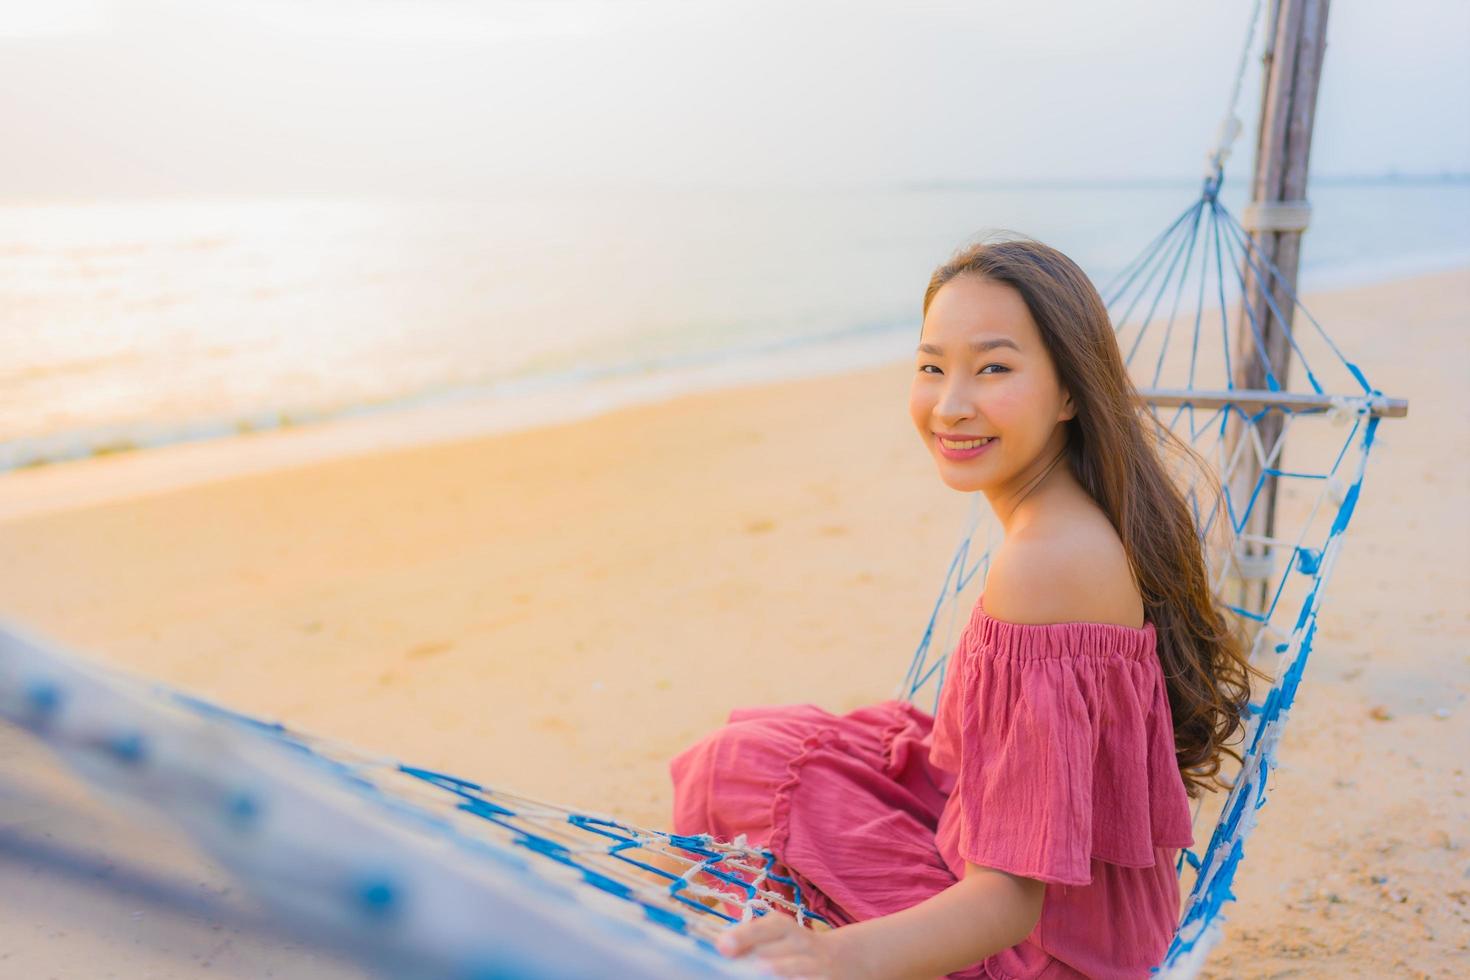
<point>978,346</point>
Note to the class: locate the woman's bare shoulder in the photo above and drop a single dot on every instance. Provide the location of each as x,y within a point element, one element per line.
<point>1069,570</point>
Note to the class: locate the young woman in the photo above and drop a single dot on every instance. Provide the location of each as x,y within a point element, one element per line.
<point>1030,828</point>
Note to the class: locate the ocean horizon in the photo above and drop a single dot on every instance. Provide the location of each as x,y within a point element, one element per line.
<point>138,323</point>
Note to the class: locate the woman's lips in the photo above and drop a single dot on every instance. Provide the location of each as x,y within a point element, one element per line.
<point>961,454</point>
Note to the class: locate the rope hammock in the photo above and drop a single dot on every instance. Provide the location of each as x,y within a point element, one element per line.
<point>423,874</point>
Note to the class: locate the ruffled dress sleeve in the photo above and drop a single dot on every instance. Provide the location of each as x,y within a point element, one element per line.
<point>1062,742</point>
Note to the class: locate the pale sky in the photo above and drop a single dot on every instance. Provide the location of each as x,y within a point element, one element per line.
<point>134,97</point>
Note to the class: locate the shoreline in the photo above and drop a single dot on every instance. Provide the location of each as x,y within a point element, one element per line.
<point>31,490</point>
<point>456,415</point>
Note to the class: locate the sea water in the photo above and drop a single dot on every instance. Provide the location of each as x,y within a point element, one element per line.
<point>125,324</point>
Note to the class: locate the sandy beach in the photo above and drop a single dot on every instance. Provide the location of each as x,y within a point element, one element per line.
<point>560,610</point>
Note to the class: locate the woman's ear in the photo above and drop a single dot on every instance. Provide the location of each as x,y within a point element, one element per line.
<point>1069,410</point>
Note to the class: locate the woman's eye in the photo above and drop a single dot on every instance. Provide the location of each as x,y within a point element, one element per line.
<point>923,369</point>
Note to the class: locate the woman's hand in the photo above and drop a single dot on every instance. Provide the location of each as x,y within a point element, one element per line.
<point>787,949</point>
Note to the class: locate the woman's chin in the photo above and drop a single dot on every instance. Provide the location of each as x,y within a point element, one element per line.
<point>957,479</point>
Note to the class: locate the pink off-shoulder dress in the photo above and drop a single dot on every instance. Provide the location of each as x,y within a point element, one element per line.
<point>1050,755</point>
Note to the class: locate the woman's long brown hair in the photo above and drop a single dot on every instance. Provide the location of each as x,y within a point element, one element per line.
<point>1116,450</point>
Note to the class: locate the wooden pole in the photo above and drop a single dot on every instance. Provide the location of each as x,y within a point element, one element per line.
<point>1275,219</point>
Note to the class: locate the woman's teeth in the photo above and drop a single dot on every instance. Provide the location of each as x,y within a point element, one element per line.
<point>968,444</point>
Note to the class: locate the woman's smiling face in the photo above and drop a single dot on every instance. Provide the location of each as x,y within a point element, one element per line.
<point>981,372</point>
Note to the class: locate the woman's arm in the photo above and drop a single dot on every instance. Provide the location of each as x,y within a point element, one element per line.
<point>981,914</point>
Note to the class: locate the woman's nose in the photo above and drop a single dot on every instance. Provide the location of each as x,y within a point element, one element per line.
<point>954,403</point>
